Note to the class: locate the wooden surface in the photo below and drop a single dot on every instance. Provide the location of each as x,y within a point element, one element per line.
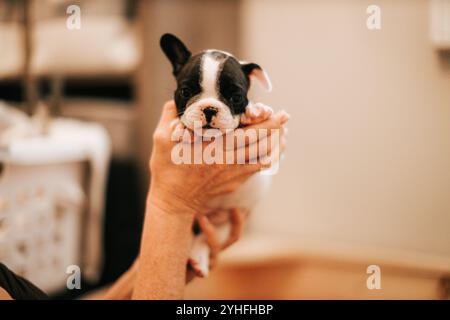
<point>281,269</point>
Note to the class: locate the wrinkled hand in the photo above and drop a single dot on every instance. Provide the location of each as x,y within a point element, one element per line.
<point>208,225</point>
<point>186,189</point>
<point>189,187</point>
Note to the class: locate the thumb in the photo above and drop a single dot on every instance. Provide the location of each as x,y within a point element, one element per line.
<point>169,113</point>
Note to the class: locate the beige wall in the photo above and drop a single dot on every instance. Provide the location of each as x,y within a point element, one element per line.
<point>368,159</point>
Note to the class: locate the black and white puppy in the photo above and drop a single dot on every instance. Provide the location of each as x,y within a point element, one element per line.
<point>212,88</point>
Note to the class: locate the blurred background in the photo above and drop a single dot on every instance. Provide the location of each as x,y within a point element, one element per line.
<point>365,180</point>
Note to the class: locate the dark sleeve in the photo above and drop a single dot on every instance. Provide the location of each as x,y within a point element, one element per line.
<point>19,288</point>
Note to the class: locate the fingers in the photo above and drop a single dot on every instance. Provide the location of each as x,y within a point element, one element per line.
<point>214,154</point>
<point>236,218</point>
<point>209,230</point>
<point>219,217</point>
<point>166,123</point>
<point>239,173</point>
<point>266,147</point>
<point>233,139</point>
<point>274,153</point>
<point>213,261</point>
<point>275,122</point>
<point>256,132</point>
<point>243,145</point>
<point>237,224</point>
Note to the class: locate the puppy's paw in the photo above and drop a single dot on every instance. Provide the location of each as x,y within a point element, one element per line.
<point>256,113</point>
<point>198,269</point>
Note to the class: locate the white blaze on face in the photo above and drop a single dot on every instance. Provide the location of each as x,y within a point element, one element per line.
<point>211,67</point>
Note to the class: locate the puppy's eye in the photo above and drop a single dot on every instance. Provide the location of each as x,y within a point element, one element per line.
<point>237,98</point>
<point>185,93</point>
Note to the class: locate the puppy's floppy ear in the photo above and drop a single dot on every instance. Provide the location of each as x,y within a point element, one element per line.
<point>175,50</point>
<point>254,71</point>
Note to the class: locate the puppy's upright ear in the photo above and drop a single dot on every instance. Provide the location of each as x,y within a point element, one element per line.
<point>255,72</point>
<point>176,51</point>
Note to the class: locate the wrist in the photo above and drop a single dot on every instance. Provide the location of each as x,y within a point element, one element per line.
<point>169,203</point>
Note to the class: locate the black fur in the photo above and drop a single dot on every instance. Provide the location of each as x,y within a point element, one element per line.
<point>189,78</point>
<point>176,51</point>
<point>234,83</point>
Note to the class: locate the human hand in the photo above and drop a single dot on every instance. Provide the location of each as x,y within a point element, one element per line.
<point>189,187</point>
<point>209,225</point>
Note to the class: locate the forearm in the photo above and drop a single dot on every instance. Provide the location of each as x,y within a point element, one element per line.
<point>165,247</point>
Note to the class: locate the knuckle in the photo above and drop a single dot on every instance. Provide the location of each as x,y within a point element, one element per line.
<point>158,136</point>
<point>231,188</point>
<point>168,106</point>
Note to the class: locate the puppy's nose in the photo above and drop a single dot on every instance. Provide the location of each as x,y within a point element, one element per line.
<point>209,112</point>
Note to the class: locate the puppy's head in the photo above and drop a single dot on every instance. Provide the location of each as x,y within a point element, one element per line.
<point>212,86</point>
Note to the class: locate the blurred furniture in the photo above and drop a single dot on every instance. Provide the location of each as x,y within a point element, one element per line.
<point>86,74</point>
<point>115,115</point>
<point>51,203</point>
<point>62,67</point>
<point>110,36</point>
<point>264,267</point>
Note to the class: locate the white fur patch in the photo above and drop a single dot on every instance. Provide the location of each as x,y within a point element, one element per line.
<point>210,69</point>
